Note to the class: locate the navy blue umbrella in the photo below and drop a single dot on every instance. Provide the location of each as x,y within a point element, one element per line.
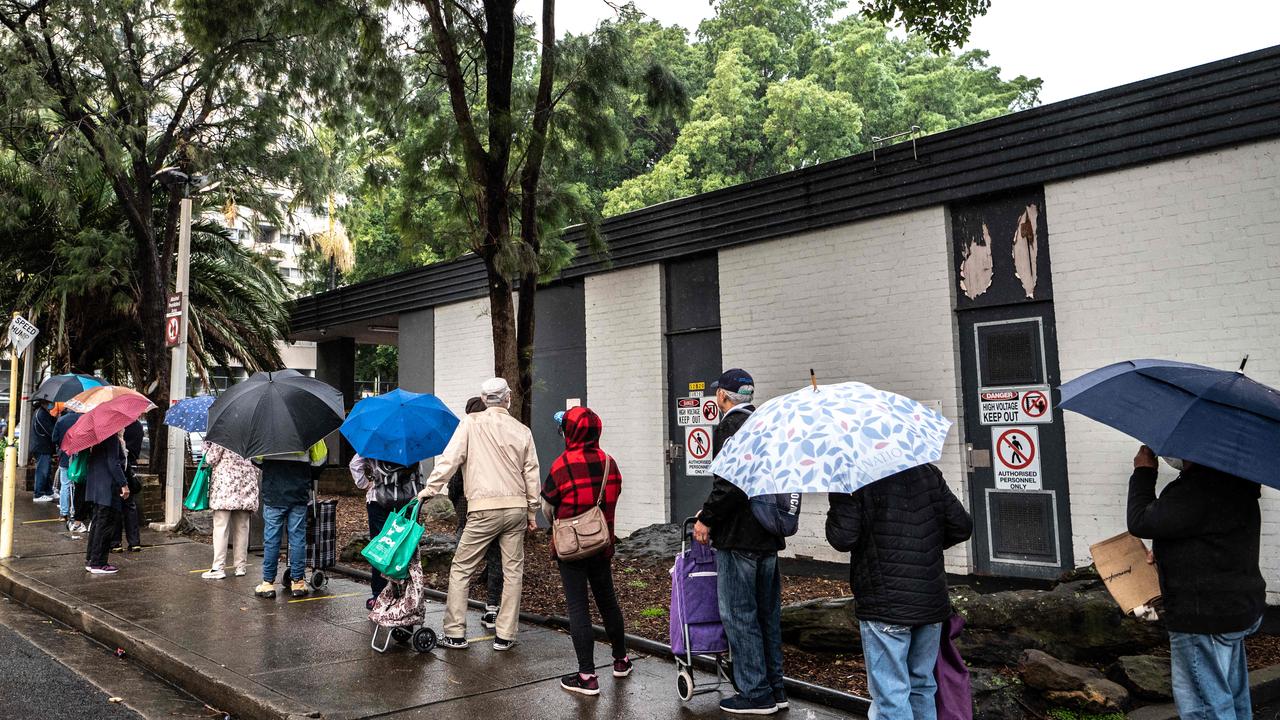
<point>191,414</point>
<point>1217,418</point>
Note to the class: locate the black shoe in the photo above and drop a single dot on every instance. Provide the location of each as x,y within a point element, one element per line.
<point>454,643</point>
<point>117,548</point>
<point>489,619</point>
<point>575,684</point>
<point>135,548</point>
<point>780,699</point>
<point>622,667</point>
<point>500,645</point>
<point>739,705</point>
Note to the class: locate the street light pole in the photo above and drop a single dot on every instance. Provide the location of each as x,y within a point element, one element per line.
<point>176,466</point>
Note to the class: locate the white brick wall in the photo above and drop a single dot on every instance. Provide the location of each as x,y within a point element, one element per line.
<point>1178,260</point>
<point>626,377</point>
<point>870,302</point>
<point>463,351</point>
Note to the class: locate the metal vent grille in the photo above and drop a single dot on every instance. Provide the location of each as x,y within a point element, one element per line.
<point>1009,354</point>
<point>1023,526</point>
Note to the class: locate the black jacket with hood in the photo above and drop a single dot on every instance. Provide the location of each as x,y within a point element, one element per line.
<point>896,530</point>
<point>727,511</point>
<point>1205,531</point>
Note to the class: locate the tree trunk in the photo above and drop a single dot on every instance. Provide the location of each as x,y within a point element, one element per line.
<point>502,316</point>
<point>524,345</point>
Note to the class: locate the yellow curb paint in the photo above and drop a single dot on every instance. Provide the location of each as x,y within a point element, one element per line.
<point>324,597</point>
<point>33,522</point>
<point>482,639</point>
<point>200,570</point>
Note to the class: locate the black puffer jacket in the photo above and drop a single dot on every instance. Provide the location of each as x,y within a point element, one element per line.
<point>727,511</point>
<point>896,529</point>
<point>1205,530</point>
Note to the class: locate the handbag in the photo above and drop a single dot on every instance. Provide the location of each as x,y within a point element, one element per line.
<point>954,698</point>
<point>396,547</point>
<point>586,534</point>
<point>76,467</point>
<point>198,496</point>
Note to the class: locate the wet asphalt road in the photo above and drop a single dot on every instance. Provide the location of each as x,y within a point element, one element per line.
<point>38,686</point>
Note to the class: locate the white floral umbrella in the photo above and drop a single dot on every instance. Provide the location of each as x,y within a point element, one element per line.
<point>832,438</point>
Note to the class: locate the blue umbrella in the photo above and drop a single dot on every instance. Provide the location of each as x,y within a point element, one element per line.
<point>400,426</point>
<point>1217,418</point>
<point>61,388</point>
<point>191,414</point>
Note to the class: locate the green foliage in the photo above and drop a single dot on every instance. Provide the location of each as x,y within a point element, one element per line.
<point>796,90</point>
<point>653,612</point>
<point>1064,714</point>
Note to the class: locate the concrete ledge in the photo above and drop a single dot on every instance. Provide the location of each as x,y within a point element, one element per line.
<point>1264,687</point>
<point>203,678</point>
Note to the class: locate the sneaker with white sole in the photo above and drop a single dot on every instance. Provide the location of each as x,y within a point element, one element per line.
<point>739,705</point>
<point>213,574</point>
<point>503,645</point>
<point>44,499</point>
<point>780,699</point>
<point>240,572</point>
<point>103,569</point>
<point>489,620</point>
<point>575,684</point>
<point>454,643</point>
<point>622,667</point>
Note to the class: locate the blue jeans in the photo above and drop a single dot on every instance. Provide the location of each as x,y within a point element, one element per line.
<point>274,519</point>
<point>900,661</point>
<point>750,595</point>
<point>64,493</point>
<point>1211,675</point>
<point>44,479</point>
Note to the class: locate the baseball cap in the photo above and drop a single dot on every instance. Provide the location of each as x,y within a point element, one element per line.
<point>735,380</point>
<point>495,390</point>
<point>559,418</point>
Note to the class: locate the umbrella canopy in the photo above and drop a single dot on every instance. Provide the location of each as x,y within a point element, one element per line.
<point>1218,418</point>
<point>837,438</point>
<point>103,421</point>
<point>61,388</point>
<point>272,413</point>
<point>191,414</point>
<point>400,427</point>
<point>95,396</point>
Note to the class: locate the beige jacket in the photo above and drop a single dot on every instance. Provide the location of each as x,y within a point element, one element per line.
<point>501,464</point>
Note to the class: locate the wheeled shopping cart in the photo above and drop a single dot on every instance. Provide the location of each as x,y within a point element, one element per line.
<point>695,616</point>
<point>399,614</point>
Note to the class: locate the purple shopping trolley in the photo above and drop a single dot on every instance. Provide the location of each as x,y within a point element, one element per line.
<point>695,615</point>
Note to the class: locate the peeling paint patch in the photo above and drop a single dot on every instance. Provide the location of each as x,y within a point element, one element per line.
<point>1026,250</point>
<point>975,267</point>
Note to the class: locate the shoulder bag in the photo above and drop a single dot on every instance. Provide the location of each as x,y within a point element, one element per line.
<point>586,534</point>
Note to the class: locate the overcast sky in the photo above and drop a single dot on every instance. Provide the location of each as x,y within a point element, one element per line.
<point>1075,46</point>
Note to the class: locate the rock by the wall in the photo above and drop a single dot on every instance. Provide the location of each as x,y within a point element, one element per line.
<point>998,696</point>
<point>1071,685</point>
<point>660,541</point>
<point>1147,676</point>
<point>823,625</point>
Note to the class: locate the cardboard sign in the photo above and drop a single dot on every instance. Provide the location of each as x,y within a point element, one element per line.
<point>1122,564</point>
<point>1015,457</point>
<point>1015,406</point>
<point>694,410</point>
<point>697,451</point>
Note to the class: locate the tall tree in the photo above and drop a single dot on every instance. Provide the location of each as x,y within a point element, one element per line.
<point>128,88</point>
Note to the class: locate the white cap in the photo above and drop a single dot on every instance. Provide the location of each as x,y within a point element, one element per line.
<point>495,391</point>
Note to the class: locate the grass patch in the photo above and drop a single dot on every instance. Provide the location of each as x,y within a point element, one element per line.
<point>1064,714</point>
<point>653,612</point>
<point>637,584</point>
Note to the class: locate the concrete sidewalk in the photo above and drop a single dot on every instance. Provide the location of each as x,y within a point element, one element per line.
<point>287,658</point>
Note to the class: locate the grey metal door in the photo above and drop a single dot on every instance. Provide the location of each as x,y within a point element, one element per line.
<point>559,363</point>
<point>693,362</point>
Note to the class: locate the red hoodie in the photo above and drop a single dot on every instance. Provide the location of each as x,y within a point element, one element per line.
<point>573,483</point>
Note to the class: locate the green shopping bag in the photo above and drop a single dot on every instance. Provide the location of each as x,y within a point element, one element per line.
<point>76,467</point>
<point>198,495</point>
<point>391,552</point>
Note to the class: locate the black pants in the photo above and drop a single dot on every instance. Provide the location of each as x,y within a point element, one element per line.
<point>106,528</point>
<point>597,574</point>
<point>80,509</point>
<point>131,524</point>
<point>378,515</point>
<point>492,574</point>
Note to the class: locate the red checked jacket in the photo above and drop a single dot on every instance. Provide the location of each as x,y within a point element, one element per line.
<point>573,483</point>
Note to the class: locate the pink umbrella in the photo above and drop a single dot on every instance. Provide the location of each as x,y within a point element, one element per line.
<point>104,421</point>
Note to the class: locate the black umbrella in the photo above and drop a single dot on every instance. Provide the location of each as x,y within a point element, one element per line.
<point>272,413</point>
<point>61,388</point>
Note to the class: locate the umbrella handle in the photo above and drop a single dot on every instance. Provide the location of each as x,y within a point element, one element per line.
<point>1242,364</point>
<point>813,380</point>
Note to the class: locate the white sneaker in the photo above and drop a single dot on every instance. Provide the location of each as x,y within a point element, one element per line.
<point>213,574</point>
<point>240,572</point>
<point>43,499</point>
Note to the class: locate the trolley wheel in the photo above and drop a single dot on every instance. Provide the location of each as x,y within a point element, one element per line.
<point>684,685</point>
<point>726,667</point>
<point>401,635</point>
<point>319,579</point>
<point>424,640</point>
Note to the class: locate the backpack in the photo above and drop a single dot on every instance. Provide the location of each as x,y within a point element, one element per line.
<point>393,484</point>
<point>779,513</point>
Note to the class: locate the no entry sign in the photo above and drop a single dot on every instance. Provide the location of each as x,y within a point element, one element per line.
<point>1008,406</point>
<point>697,451</point>
<point>1015,457</point>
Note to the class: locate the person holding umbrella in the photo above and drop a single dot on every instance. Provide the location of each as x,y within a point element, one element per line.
<point>234,483</point>
<point>71,505</point>
<point>1221,430</point>
<point>286,492</point>
<point>42,448</point>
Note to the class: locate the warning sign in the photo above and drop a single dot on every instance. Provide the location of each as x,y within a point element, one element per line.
<point>696,410</point>
<point>697,451</point>
<point>21,333</point>
<point>172,331</point>
<point>1015,453</point>
<point>1008,406</point>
